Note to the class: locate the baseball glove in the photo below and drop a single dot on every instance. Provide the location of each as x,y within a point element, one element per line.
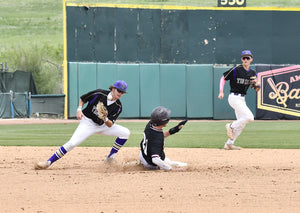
<point>102,111</point>
<point>254,83</point>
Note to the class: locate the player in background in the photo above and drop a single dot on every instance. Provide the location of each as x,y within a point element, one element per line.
<point>91,124</point>
<point>240,77</point>
<point>152,153</point>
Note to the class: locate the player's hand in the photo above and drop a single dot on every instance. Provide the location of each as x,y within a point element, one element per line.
<point>79,115</point>
<point>177,128</point>
<point>257,86</point>
<point>221,95</point>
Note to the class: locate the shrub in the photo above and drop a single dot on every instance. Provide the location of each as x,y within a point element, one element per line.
<point>42,62</point>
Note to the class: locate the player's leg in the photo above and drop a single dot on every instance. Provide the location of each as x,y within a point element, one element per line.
<point>85,129</point>
<point>175,163</point>
<point>243,115</point>
<point>122,134</point>
<point>146,164</point>
<point>233,101</point>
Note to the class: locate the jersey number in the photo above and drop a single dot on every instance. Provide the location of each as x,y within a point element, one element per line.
<point>145,144</point>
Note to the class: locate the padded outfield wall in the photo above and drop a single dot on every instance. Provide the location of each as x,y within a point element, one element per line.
<point>167,55</point>
<point>188,90</point>
<point>99,33</point>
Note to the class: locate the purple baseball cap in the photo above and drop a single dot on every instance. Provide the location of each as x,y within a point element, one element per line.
<point>246,53</point>
<point>121,85</point>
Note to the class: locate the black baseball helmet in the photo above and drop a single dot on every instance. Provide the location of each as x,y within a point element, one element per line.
<point>160,116</point>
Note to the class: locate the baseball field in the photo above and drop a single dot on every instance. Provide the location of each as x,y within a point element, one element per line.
<point>262,177</point>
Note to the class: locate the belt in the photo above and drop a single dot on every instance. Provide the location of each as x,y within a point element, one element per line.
<point>237,94</point>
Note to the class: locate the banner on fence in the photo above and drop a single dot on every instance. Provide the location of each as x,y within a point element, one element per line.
<point>279,97</point>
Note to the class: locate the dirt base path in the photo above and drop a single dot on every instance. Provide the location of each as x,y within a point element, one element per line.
<point>249,180</point>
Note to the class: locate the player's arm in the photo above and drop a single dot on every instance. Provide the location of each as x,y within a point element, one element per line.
<point>160,163</point>
<point>221,87</point>
<point>111,119</point>
<point>165,166</point>
<point>166,133</point>
<point>175,129</point>
<point>79,114</point>
<point>103,114</point>
<point>254,83</point>
<point>108,123</point>
<point>83,99</point>
<point>257,88</point>
<point>155,150</point>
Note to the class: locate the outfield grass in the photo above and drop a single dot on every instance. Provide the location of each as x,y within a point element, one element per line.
<point>259,134</point>
<point>32,22</point>
<point>27,23</point>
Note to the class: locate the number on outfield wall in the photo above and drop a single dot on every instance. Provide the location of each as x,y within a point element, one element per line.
<point>231,3</point>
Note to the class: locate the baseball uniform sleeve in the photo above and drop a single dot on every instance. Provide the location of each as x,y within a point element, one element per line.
<point>228,74</point>
<point>88,96</point>
<point>160,163</point>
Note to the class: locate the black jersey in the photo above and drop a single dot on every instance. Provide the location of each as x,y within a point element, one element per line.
<point>239,79</point>
<point>153,143</point>
<point>93,97</point>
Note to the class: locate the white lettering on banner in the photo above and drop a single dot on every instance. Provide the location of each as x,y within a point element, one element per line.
<point>281,92</point>
<point>294,79</point>
<point>282,96</point>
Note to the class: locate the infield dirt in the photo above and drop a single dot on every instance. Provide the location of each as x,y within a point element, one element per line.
<point>248,180</point>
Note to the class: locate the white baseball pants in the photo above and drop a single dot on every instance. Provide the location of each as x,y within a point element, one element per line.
<point>243,115</point>
<point>87,127</point>
<point>166,161</point>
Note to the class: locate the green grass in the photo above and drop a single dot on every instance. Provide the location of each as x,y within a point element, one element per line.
<point>259,134</point>
<point>27,22</point>
<point>32,22</point>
